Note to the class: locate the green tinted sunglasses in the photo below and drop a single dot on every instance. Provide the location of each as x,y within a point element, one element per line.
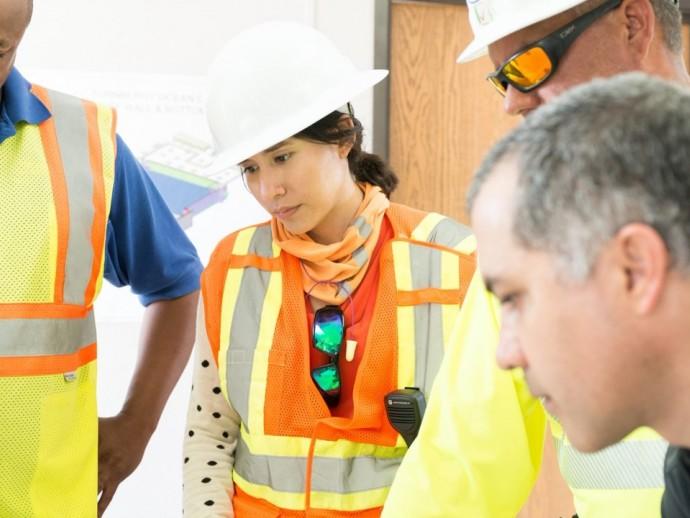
<point>328,336</point>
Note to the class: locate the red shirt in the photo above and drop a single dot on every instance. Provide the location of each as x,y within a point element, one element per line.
<point>357,311</point>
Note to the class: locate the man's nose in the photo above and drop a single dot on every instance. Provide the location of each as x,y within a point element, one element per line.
<point>516,102</point>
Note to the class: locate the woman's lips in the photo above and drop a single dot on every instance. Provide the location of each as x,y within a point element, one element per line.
<point>285,212</point>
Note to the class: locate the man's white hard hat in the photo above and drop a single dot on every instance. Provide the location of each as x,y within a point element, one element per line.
<point>273,80</point>
<point>492,20</point>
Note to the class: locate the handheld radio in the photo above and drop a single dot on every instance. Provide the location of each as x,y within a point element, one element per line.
<point>405,410</point>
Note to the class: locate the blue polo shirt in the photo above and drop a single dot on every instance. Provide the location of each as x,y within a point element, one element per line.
<point>145,247</point>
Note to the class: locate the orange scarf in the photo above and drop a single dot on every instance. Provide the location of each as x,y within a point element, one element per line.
<point>332,272</point>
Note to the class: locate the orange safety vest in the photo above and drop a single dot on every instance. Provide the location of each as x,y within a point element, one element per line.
<point>56,181</point>
<point>293,458</point>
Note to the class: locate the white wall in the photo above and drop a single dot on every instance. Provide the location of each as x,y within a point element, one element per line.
<point>70,41</point>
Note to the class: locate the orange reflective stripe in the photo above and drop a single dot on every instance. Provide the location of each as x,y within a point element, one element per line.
<point>42,365</point>
<point>43,311</point>
<point>468,264</point>
<point>428,295</point>
<point>57,179</point>
<point>246,505</point>
<point>99,222</point>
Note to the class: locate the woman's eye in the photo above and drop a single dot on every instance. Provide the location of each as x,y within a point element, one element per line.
<point>248,169</point>
<point>283,158</point>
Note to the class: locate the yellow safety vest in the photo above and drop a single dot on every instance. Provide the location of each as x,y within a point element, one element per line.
<point>56,181</point>
<point>626,479</point>
<point>253,296</point>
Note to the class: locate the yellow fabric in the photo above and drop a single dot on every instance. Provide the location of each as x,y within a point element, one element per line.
<point>51,424</point>
<point>628,503</point>
<point>623,503</point>
<point>105,121</point>
<point>269,317</point>
<point>328,267</point>
<point>424,227</point>
<point>480,445</point>
<point>27,213</point>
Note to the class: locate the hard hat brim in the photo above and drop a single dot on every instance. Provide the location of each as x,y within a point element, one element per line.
<point>479,46</point>
<point>290,123</point>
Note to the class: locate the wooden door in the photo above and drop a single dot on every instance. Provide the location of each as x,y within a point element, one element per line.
<point>443,116</point>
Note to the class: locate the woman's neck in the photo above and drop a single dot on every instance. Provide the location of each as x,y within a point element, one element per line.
<point>333,227</point>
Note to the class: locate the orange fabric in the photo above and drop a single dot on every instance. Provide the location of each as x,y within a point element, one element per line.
<point>330,272</point>
<point>42,311</point>
<point>405,220</point>
<point>212,284</point>
<point>293,405</point>
<point>357,311</point>
<point>46,364</point>
<point>99,222</point>
<point>434,295</point>
<point>57,179</point>
<point>246,506</point>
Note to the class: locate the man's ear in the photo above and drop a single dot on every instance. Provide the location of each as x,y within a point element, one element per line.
<point>641,27</point>
<point>643,258</point>
<point>344,123</point>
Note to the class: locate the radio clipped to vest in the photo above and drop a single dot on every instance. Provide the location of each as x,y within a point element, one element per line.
<point>405,410</point>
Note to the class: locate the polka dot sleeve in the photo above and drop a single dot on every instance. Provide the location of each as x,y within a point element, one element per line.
<point>210,438</point>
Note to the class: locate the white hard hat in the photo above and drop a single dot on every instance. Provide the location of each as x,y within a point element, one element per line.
<point>492,20</point>
<point>272,81</point>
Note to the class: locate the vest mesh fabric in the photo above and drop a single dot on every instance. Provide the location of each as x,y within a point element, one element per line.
<point>286,414</point>
<point>27,213</point>
<point>42,418</point>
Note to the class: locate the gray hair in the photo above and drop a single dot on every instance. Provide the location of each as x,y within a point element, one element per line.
<point>667,13</point>
<point>600,156</point>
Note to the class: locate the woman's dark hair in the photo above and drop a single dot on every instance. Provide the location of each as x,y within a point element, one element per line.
<point>365,167</point>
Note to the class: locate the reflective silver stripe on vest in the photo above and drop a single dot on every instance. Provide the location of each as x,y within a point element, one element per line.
<point>425,263</point>
<point>628,464</point>
<point>72,136</point>
<point>332,475</point>
<point>448,232</point>
<point>34,337</point>
<point>244,332</point>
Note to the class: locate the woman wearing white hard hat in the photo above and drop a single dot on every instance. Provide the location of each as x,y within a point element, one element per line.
<point>311,318</point>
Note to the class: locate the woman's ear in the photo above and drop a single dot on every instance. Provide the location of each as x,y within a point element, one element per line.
<point>345,123</point>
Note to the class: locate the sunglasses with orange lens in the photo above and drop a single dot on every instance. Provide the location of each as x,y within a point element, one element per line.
<point>532,65</point>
